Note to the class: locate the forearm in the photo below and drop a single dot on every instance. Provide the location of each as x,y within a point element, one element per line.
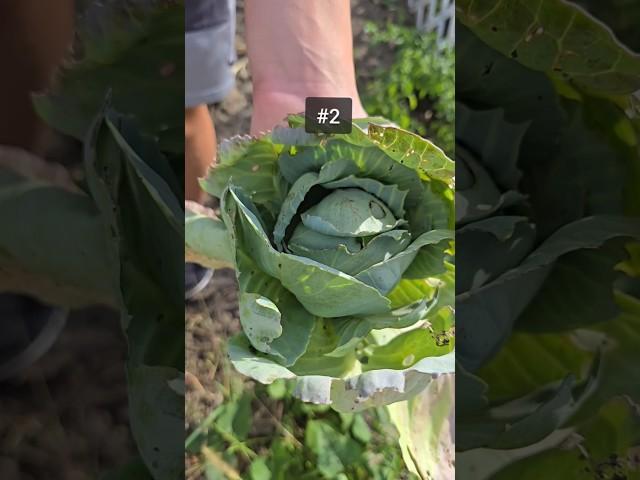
<point>304,49</point>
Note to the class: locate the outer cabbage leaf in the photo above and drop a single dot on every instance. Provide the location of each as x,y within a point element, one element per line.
<point>488,314</point>
<point>271,317</point>
<point>414,151</point>
<point>207,240</point>
<point>135,203</point>
<point>555,37</point>
<point>36,256</point>
<point>604,446</point>
<point>521,422</point>
<point>426,426</point>
<point>495,243</point>
<point>354,393</point>
<point>251,163</point>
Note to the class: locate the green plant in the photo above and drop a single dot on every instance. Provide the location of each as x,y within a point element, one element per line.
<point>91,244</point>
<point>341,246</point>
<point>90,247</point>
<point>305,441</point>
<point>547,227</point>
<point>417,91</point>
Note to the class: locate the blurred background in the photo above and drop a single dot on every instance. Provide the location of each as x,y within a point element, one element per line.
<point>67,415</point>
<point>237,428</point>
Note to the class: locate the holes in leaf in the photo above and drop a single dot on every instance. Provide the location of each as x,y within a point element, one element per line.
<point>487,68</point>
<point>442,339</point>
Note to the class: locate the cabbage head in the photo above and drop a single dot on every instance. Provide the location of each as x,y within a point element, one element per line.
<point>343,249</point>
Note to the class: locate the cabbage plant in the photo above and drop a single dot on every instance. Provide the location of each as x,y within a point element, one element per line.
<point>343,250</point>
<point>114,236</point>
<point>547,225</point>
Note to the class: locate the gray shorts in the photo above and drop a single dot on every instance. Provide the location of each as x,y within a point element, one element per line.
<point>209,50</point>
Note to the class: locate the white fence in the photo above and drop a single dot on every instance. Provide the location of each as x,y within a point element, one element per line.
<point>435,16</point>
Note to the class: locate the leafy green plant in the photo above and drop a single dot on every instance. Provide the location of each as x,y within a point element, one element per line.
<point>546,210</point>
<point>92,243</point>
<point>341,246</point>
<point>107,262</point>
<point>306,441</point>
<point>135,50</point>
<point>417,91</point>
<point>137,198</point>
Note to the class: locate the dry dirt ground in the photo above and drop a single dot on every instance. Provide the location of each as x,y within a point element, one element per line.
<point>213,318</point>
<point>66,416</point>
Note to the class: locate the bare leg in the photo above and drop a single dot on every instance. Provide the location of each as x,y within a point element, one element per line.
<point>307,51</point>
<point>199,155</point>
<point>34,37</point>
<point>200,149</point>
